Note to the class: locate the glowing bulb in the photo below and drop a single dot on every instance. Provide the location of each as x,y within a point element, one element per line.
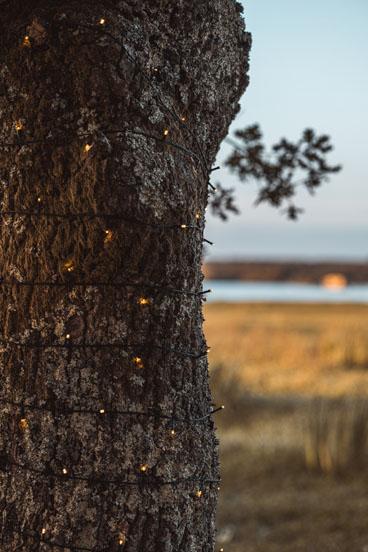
<point>67,336</point>
<point>65,471</point>
<point>18,126</point>
<point>108,236</point>
<point>102,411</point>
<point>198,215</point>
<point>87,147</point>
<point>222,407</point>
<point>122,538</point>
<point>43,531</point>
<point>27,42</point>
<point>102,21</point>
<point>218,488</point>
<point>23,424</point>
<point>199,493</point>
<point>208,349</point>
<point>39,200</point>
<point>143,301</point>
<point>138,362</point>
<point>183,119</point>
<point>183,226</point>
<point>143,468</point>
<point>173,432</point>
<point>166,132</point>
<point>69,265</point>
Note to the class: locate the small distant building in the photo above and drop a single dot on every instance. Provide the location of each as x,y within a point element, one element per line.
<point>334,281</point>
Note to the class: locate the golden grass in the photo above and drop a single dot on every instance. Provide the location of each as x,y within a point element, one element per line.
<point>268,365</point>
<point>304,349</point>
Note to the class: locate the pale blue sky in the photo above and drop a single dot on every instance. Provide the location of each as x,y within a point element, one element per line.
<point>308,68</point>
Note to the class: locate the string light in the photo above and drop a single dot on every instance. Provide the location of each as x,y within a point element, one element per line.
<point>67,336</point>
<point>101,346</point>
<point>23,424</point>
<point>166,132</point>
<point>166,289</point>
<point>152,412</point>
<point>183,119</point>
<point>119,480</point>
<point>143,301</point>
<point>198,215</point>
<point>26,42</point>
<point>43,531</point>
<point>172,432</point>
<point>199,493</point>
<point>138,362</point>
<point>39,200</point>
<point>183,226</point>
<point>87,147</point>
<point>18,126</point>
<point>102,21</point>
<point>102,411</point>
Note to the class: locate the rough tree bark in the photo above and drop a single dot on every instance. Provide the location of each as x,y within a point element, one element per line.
<point>87,92</point>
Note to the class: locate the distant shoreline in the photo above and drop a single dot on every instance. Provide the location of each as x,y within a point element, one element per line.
<point>285,271</point>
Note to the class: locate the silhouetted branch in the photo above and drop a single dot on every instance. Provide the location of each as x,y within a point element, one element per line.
<point>279,172</point>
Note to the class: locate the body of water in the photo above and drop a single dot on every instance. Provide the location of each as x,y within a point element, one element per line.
<point>283,292</point>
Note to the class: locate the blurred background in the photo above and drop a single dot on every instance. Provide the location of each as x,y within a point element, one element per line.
<point>287,319</point>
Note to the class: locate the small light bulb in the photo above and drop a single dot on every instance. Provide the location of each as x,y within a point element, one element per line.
<point>138,362</point>
<point>122,539</point>
<point>43,531</point>
<point>65,471</point>
<point>87,147</point>
<point>102,411</point>
<point>173,432</point>
<point>69,265</point>
<point>222,407</point>
<point>198,215</point>
<point>218,488</point>
<point>199,493</point>
<point>166,132</point>
<point>39,200</point>
<point>143,301</point>
<point>23,424</point>
<point>143,468</point>
<point>183,226</point>
<point>67,336</point>
<point>18,126</point>
<point>183,119</point>
<point>102,21</point>
<point>27,42</point>
<point>208,349</point>
<point>108,235</point>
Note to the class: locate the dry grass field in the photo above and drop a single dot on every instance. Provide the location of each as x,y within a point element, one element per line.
<point>294,379</point>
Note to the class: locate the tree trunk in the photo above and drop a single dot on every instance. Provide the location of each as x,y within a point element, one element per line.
<point>111,117</point>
